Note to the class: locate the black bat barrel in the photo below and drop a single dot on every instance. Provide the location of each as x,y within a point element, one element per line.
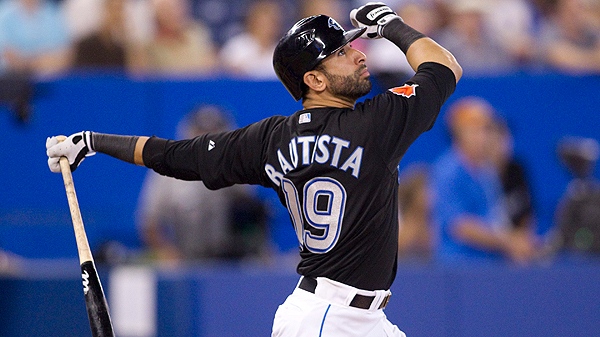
<point>95,301</point>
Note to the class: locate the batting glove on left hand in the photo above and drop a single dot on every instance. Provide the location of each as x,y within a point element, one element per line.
<point>75,147</point>
<point>373,15</point>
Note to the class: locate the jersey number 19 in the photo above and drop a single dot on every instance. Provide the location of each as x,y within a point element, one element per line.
<point>320,210</point>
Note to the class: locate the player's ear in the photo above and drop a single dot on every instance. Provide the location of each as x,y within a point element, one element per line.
<point>315,80</point>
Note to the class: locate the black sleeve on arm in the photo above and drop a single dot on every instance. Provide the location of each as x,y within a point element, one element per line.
<point>442,76</point>
<point>218,159</point>
<point>172,158</point>
<point>401,34</point>
<point>437,83</point>
<point>153,154</point>
<point>120,147</point>
<point>402,116</point>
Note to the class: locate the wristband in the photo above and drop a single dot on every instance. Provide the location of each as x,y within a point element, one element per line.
<point>401,34</point>
<point>120,147</point>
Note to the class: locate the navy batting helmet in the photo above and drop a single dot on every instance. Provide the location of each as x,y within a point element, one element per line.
<point>306,44</point>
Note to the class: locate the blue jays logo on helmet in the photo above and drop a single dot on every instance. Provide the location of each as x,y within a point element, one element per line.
<point>306,38</point>
<point>333,24</point>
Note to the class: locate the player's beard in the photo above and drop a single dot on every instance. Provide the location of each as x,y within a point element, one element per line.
<point>351,86</point>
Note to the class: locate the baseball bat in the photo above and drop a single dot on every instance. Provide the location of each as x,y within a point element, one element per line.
<point>95,301</point>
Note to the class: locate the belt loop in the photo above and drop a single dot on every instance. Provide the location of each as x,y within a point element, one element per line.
<point>376,300</point>
<point>350,297</point>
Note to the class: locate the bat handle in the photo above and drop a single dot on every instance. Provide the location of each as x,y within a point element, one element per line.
<point>83,246</point>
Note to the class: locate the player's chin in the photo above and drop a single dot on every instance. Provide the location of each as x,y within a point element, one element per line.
<point>366,83</point>
<point>364,87</point>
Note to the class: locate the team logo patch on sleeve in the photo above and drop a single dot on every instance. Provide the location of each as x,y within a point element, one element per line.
<point>304,118</point>
<point>405,90</point>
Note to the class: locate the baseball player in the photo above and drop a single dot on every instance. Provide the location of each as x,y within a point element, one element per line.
<point>333,164</point>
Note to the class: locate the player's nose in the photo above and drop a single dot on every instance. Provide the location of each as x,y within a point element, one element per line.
<point>359,56</point>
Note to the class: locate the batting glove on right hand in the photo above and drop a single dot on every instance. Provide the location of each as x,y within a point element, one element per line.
<point>373,15</point>
<point>75,147</point>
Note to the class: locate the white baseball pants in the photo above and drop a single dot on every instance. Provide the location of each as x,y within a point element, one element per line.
<point>327,313</point>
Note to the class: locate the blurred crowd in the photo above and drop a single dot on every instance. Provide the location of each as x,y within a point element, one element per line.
<point>493,37</point>
<point>210,37</point>
<point>475,201</point>
<point>213,38</point>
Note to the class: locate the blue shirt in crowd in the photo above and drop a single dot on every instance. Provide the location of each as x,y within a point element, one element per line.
<point>462,190</point>
<point>31,33</point>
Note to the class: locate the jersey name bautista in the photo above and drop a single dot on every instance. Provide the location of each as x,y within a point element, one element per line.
<point>323,149</point>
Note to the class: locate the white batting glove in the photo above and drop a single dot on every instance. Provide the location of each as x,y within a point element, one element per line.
<point>373,15</point>
<point>75,147</point>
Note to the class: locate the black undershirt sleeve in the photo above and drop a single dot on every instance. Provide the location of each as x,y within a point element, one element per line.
<point>117,146</point>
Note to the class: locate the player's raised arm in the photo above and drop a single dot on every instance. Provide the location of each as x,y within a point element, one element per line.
<point>382,21</point>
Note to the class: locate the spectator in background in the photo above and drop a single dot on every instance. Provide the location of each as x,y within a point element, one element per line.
<point>33,37</point>
<point>184,221</point>
<point>332,8</point>
<point>592,11</point>
<point>250,54</point>
<point>180,46</point>
<point>16,91</point>
<point>511,23</point>
<point>106,47</point>
<point>570,39</point>
<point>469,38</point>
<point>515,184</point>
<point>82,17</point>
<point>86,17</point>
<point>469,210</point>
<point>33,42</point>
<point>415,237</point>
<point>578,213</point>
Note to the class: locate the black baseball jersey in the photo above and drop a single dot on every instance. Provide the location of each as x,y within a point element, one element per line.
<point>335,169</point>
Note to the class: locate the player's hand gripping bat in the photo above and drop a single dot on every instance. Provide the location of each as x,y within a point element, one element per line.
<point>95,301</point>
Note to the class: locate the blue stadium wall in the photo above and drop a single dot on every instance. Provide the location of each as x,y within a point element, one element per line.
<point>34,217</point>
<point>474,300</point>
